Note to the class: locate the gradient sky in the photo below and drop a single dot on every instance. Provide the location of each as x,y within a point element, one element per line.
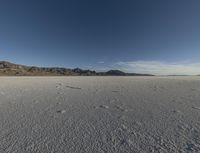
<point>131,35</point>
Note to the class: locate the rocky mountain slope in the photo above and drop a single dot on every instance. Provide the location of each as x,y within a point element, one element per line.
<point>11,69</point>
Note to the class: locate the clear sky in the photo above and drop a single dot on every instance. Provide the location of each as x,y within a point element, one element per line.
<point>154,36</point>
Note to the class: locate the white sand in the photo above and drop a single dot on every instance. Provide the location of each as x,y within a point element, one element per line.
<point>99,114</point>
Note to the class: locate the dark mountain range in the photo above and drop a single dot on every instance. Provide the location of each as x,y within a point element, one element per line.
<point>10,69</point>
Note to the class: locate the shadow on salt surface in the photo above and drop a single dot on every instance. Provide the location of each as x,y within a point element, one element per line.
<point>71,87</point>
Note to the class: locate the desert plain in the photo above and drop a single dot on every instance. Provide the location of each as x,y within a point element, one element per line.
<point>100,114</point>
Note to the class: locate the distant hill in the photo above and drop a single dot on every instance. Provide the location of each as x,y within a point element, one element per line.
<point>11,69</point>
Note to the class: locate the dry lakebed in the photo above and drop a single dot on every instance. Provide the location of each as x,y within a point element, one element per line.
<point>100,114</point>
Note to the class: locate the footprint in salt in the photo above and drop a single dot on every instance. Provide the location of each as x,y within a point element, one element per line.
<point>138,123</point>
<point>104,106</point>
<point>2,93</point>
<point>112,101</point>
<point>101,106</point>
<point>193,89</point>
<point>61,111</point>
<point>176,111</point>
<point>58,85</point>
<point>124,127</point>
<point>121,117</point>
<point>115,91</point>
<point>198,108</point>
<point>36,101</point>
<point>121,108</point>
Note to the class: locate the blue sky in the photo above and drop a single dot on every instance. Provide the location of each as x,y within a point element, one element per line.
<point>157,36</point>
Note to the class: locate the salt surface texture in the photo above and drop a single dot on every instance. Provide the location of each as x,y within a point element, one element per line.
<point>99,114</point>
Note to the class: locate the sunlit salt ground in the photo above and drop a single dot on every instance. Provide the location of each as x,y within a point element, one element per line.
<point>99,114</point>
